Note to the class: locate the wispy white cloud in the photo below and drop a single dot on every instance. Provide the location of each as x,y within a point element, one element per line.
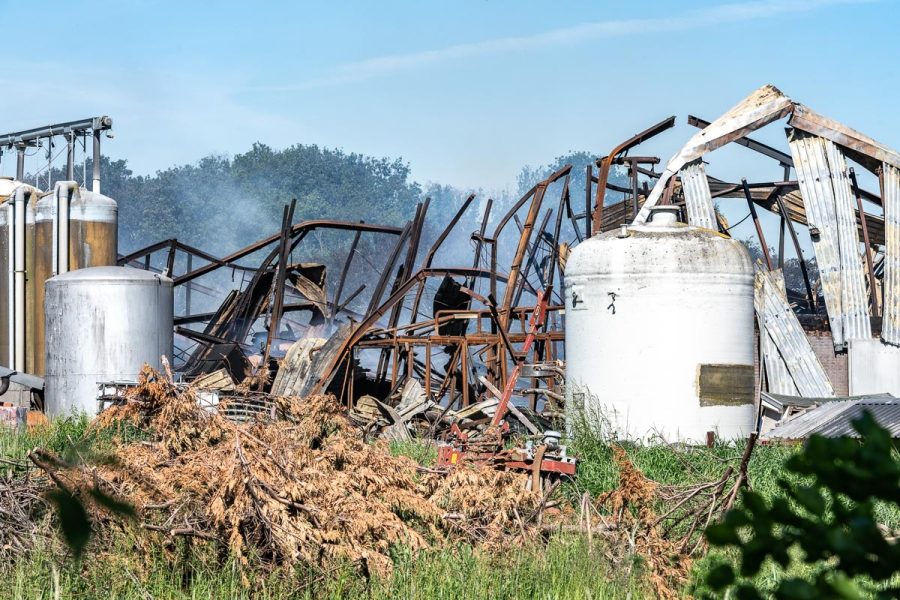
<point>726,14</point>
<point>166,116</point>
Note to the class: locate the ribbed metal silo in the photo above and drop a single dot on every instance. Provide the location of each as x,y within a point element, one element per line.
<point>660,333</point>
<point>103,324</point>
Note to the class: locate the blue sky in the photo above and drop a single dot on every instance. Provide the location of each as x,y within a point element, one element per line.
<point>467,91</point>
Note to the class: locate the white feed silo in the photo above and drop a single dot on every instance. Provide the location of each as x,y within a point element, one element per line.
<point>659,331</point>
<point>103,324</point>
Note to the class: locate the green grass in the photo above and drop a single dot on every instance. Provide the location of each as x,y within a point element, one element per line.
<point>563,569</point>
<point>423,452</point>
<point>56,437</point>
<point>67,437</point>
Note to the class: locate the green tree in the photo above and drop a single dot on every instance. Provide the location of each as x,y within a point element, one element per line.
<point>221,203</point>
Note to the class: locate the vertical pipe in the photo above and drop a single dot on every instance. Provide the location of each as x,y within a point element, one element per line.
<point>11,253</point>
<point>63,194</point>
<point>96,184</point>
<point>19,299</point>
<point>20,162</point>
<point>54,234</point>
<point>70,156</point>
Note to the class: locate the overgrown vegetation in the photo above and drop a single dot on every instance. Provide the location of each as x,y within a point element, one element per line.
<point>566,565</point>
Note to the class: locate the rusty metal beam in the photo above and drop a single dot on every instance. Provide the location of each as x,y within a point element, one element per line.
<point>606,162</point>
<point>303,227</point>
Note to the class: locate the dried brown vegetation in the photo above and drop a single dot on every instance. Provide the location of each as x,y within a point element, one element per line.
<point>634,529</point>
<point>304,488</point>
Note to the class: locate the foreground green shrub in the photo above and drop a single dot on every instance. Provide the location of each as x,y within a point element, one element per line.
<point>825,521</point>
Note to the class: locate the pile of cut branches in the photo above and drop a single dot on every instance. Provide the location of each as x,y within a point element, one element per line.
<point>303,488</point>
<point>23,508</point>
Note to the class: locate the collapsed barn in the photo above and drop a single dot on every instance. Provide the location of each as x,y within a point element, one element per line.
<point>417,338</point>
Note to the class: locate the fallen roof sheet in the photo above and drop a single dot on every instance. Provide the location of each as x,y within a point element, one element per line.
<point>780,401</point>
<point>834,419</point>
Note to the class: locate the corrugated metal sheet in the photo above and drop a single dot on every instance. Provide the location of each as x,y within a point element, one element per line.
<point>777,375</point>
<point>800,402</point>
<point>854,298</point>
<point>822,175</point>
<point>781,323</point>
<point>890,324</point>
<point>834,419</point>
<point>701,211</point>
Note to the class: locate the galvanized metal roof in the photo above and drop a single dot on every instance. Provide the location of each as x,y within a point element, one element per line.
<point>834,419</point>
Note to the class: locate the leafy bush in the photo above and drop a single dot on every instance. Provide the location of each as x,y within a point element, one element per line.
<point>826,521</point>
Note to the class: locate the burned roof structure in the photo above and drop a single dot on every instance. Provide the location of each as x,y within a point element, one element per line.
<point>464,328</point>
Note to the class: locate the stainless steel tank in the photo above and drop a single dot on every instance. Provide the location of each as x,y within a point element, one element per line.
<point>103,324</point>
<point>7,185</point>
<point>44,223</point>
<point>89,240</point>
<point>8,188</point>
<point>659,331</point>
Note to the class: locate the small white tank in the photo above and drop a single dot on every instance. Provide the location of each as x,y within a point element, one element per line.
<point>659,331</point>
<point>103,324</point>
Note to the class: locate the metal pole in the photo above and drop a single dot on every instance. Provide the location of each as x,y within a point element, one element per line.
<point>588,182</point>
<point>634,189</point>
<point>865,230</point>
<point>187,288</point>
<point>811,299</point>
<point>781,243</point>
<point>759,231</point>
<point>96,183</point>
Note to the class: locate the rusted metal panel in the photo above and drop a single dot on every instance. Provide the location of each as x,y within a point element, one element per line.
<point>814,177</point>
<point>890,324</point>
<point>854,299</point>
<point>781,323</point>
<point>807,120</point>
<point>701,211</point>
<point>760,108</point>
